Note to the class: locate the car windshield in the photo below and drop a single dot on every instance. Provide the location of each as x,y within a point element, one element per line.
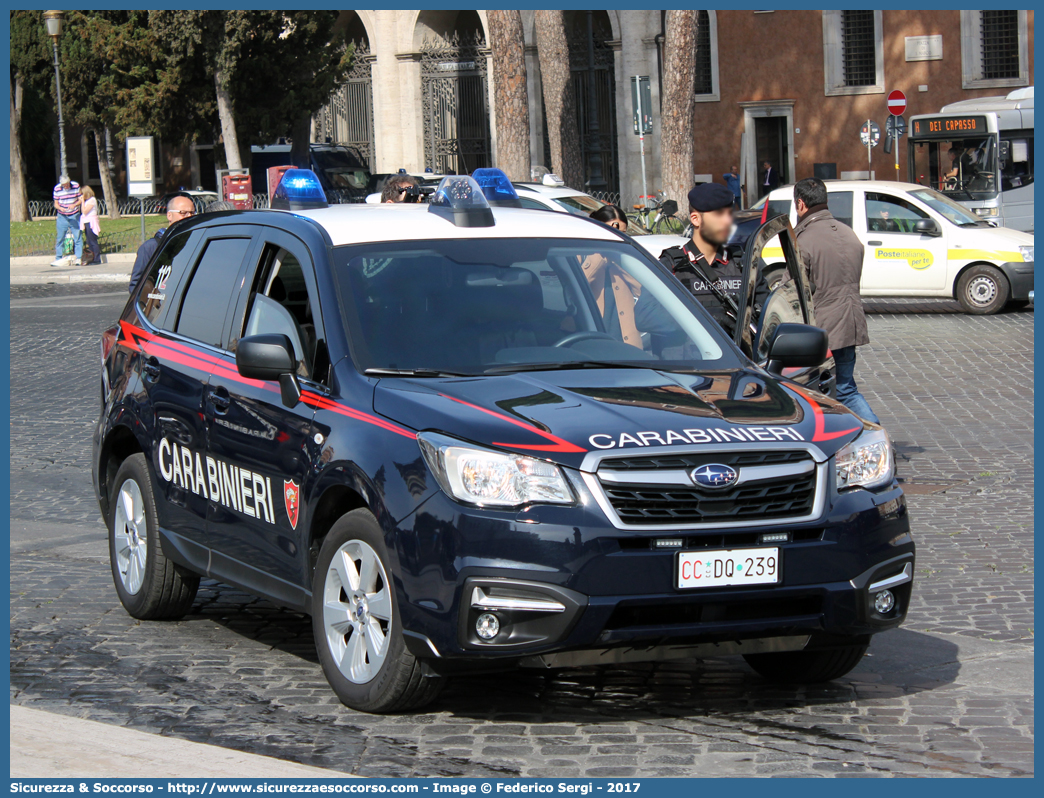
<point>584,205</point>
<point>341,169</point>
<point>487,306</point>
<point>957,214</point>
<point>959,168</point>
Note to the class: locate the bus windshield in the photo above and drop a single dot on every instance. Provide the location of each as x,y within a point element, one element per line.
<point>961,168</point>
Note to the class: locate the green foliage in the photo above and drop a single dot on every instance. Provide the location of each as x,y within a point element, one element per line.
<point>152,72</point>
<point>31,52</point>
<point>278,66</point>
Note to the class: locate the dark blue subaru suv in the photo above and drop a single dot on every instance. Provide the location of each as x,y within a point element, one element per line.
<point>467,436</point>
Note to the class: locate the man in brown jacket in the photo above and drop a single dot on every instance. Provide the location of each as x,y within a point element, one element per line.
<point>833,257</point>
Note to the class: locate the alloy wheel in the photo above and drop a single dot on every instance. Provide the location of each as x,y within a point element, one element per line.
<point>131,537</point>
<point>357,611</point>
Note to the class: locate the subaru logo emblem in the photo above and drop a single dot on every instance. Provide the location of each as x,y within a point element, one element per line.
<point>714,475</point>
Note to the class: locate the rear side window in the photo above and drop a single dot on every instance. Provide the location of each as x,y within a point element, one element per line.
<point>156,285</point>
<point>213,284</point>
<point>840,205</point>
<point>778,207</point>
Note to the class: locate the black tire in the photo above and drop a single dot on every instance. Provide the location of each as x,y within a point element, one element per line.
<point>807,667</point>
<point>166,590</point>
<point>983,290</point>
<point>400,684</point>
<point>774,275</point>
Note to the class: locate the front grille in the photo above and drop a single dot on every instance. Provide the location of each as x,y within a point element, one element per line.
<point>734,459</point>
<point>771,608</point>
<point>786,497</point>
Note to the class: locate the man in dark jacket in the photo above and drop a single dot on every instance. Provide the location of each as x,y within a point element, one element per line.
<point>769,179</point>
<point>179,207</point>
<point>703,264</point>
<point>833,256</point>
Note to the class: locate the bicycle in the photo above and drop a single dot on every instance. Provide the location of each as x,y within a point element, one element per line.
<point>659,217</point>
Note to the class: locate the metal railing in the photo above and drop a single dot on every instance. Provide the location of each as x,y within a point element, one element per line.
<point>127,207</point>
<point>612,197</point>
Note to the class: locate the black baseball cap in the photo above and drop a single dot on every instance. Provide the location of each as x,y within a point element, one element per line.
<point>711,197</point>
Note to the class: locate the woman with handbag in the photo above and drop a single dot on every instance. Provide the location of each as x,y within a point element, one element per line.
<point>89,224</point>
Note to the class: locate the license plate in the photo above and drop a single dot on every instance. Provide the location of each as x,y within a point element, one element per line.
<point>723,568</point>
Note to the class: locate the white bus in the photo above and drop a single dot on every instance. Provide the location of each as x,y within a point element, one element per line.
<point>980,154</point>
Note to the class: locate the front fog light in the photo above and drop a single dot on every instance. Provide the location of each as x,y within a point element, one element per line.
<point>487,625</point>
<point>883,602</point>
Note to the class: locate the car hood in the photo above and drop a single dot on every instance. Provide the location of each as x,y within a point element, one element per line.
<point>655,244</point>
<point>989,243</point>
<point>565,415</point>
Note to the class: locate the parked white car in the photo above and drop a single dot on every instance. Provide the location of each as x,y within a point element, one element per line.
<point>538,196</point>
<point>920,243</point>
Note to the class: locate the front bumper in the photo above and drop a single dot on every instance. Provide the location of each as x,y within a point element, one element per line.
<point>612,592</point>
<point>1020,278</point>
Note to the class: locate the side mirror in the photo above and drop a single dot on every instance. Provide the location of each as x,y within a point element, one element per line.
<point>927,227</point>
<point>270,357</point>
<point>797,346</point>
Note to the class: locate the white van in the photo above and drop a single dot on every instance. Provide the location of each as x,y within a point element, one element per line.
<point>920,243</point>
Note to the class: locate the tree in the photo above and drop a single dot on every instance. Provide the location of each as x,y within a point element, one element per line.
<point>510,92</point>
<point>269,71</point>
<point>679,102</point>
<point>210,43</point>
<point>291,66</point>
<point>83,67</point>
<point>30,67</point>
<point>559,102</point>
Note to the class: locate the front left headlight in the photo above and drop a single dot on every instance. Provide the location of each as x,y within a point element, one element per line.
<point>490,478</point>
<point>1027,253</point>
<point>866,462</point>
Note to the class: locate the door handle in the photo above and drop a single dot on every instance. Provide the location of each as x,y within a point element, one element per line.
<point>151,370</point>
<point>874,243</point>
<point>219,398</point>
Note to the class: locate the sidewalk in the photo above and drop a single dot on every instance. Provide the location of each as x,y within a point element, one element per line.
<point>37,270</point>
<point>47,745</point>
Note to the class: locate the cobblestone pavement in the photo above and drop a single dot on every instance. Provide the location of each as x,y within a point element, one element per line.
<point>949,694</point>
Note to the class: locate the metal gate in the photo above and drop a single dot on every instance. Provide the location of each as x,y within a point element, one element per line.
<point>592,64</point>
<point>348,118</point>
<point>454,101</point>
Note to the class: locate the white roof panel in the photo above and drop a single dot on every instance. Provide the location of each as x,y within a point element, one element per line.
<point>360,223</point>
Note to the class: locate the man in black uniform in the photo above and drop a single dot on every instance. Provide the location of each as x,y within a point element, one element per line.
<point>704,265</point>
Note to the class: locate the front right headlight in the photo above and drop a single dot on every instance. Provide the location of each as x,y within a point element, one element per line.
<point>491,478</point>
<point>866,462</point>
<point>1027,253</point>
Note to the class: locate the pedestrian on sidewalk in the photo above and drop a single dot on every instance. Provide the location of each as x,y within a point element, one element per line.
<point>732,180</point>
<point>89,224</point>
<point>179,207</point>
<point>833,256</point>
<point>67,199</point>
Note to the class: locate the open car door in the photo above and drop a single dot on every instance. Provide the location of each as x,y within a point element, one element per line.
<point>790,301</point>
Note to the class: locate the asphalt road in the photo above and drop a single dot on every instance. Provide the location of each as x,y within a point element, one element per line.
<point>949,694</point>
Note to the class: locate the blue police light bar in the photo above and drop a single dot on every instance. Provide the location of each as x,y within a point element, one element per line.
<point>460,200</point>
<point>497,188</point>
<point>299,190</point>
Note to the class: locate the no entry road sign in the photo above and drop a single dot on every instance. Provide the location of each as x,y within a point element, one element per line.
<point>896,103</point>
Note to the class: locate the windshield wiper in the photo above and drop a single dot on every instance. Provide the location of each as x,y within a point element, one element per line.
<point>377,372</point>
<point>508,368</point>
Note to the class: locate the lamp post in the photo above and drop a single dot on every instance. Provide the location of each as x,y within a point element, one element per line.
<point>53,21</point>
